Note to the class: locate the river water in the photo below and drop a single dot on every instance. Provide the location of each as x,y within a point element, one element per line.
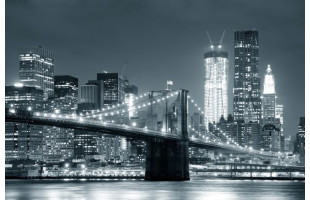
<point>196,188</point>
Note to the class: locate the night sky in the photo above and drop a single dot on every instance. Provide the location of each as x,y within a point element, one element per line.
<point>160,41</point>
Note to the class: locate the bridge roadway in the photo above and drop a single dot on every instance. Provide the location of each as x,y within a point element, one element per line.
<point>78,123</point>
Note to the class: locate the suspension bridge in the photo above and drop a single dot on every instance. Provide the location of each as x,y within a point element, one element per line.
<point>158,117</point>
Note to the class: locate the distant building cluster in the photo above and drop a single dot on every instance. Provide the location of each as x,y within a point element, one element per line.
<point>42,91</point>
<point>257,119</point>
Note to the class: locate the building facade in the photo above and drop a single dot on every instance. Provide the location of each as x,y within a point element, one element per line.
<point>36,69</point>
<point>65,85</point>
<point>301,141</point>
<point>247,92</point>
<point>270,139</point>
<point>23,141</point>
<point>216,84</point>
<point>269,98</point>
<point>58,143</point>
<point>114,86</point>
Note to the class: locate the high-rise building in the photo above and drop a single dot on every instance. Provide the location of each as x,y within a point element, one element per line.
<point>89,94</point>
<point>113,93</point>
<point>65,98</point>
<point>36,69</point>
<point>279,116</point>
<point>23,141</point>
<point>249,134</point>
<point>89,143</point>
<point>247,93</point>
<point>58,142</point>
<point>65,85</point>
<point>131,93</point>
<point>230,128</point>
<point>85,143</point>
<point>113,90</point>
<point>300,139</point>
<point>270,139</point>
<point>23,97</point>
<point>269,98</point>
<point>215,89</point>
<point>272,113</point>
<point>288,144</point>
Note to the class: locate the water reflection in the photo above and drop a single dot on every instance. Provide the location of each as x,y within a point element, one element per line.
<point>138,189</point>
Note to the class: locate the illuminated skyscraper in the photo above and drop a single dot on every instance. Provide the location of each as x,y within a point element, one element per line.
<point>66,85</point>
<point>58,142</point>
<point>300,139</point>
<point>269,98</point>
<point>23,141</point>
<point>36,69</point>
<point>279,116</point>
<point>215,100</point>
<point>131,92</point>
<point>247,102</point>
<point>113,90</point>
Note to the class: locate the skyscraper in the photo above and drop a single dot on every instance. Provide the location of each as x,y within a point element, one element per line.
<point>215,89</point>
<point>131,92</point>
<point>270,138</point>
<point>36,69</point>
<point>113,93</point>
<point>66,85</point>
<point>269,98</point>
<point>65,97</point>
<point>279,116</point>
<point>247,102</point>
<point>89,94</point>
<point>91,97</point>
<point>58,142</point>
<point>113,88</point>
<point>301,141</point>
<point>23,97</point>
<point>23,141</point>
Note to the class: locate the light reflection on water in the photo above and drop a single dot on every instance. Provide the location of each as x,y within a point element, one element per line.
<point>197,188</point>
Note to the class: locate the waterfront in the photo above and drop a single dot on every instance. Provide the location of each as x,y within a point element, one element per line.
<point>196,188</point>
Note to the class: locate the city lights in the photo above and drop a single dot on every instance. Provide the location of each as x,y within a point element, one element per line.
<point>215,88</point>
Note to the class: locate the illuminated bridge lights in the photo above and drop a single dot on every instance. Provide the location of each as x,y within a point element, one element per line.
<point>195,105</point>
<point>141,105</point>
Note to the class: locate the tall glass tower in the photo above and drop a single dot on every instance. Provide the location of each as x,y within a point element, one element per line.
<point>247,101</point>
<point>215,100</point>
<point>36,69</point>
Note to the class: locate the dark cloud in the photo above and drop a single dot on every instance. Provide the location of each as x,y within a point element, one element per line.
<point>161,40</point>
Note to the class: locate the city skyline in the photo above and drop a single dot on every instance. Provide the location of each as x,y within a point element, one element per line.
<point>185,48</point>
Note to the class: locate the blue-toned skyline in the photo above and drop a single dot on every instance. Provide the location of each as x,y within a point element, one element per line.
<point>161,41</point>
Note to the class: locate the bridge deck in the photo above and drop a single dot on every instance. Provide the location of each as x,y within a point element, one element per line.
<point>126,131</point>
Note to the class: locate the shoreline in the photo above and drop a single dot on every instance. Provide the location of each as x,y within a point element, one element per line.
<point>142,178</point>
